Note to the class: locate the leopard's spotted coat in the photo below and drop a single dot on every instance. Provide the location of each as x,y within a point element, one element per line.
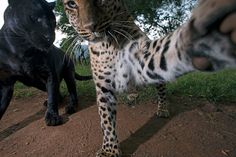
<point>121,53</point>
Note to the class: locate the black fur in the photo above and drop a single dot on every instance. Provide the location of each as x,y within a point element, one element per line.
<point>27,54</point>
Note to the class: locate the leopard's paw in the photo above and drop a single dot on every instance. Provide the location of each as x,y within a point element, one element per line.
<point>163,113</point>
<point>114,153</point>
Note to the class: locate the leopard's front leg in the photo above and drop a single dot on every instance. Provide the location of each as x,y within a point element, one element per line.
<point>162,110</point>
<point>106,101</point>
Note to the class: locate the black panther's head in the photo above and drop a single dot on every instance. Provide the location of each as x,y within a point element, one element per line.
<point>32,20</point>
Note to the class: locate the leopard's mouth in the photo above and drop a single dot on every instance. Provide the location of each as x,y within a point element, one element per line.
<point>92,36</point>
<point>99,33</point>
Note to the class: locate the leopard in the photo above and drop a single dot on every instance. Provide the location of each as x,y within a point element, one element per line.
<point>121,54</point>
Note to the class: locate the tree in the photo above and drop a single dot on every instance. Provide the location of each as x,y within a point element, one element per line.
<point>155,17</point>
<point>159,17</point>
<point>64,26</point>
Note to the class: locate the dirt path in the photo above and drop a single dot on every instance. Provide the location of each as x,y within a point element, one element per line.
<point>196,129</point>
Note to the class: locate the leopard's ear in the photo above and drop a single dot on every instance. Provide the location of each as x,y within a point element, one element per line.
<point>52,5</point>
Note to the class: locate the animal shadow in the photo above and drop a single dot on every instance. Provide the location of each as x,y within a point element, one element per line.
<point>155,124</point>
<point>39,115</point>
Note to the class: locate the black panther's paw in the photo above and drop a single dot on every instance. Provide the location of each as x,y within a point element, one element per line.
<point>70,109</point>
<point>53,119</point>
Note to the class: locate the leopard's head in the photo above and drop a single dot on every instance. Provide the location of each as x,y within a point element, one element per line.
<point>32,20</point>
<point>95,20</point>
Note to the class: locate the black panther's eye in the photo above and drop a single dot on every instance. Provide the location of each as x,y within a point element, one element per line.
<point>100,2</point>
<point>71,4</point>
<point>35,19</point>
<point>39,20</point>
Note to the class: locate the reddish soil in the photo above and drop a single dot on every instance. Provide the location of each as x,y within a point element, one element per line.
<point>196,129</point>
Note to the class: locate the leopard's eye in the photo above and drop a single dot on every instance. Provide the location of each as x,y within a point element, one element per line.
<point>71,4</point>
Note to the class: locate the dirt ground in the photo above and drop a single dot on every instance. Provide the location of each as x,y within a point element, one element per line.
<point>196,129</point>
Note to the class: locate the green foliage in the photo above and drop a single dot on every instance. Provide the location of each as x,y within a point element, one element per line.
<point>219,86</point>
<point>65,27</point>
<point>62,22</point>
<point>216,87</point>
<point>22,91</point>
<point>155,17</point>
<point>159,17</point>
<point>84,88</point>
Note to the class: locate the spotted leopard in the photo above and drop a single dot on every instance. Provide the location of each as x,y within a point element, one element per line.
<point>122,54</point>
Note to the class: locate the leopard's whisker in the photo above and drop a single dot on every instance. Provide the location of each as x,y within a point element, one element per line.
<point>75,47</point>
<point>72,56</point>
<point>122,13</point>
<point>125,21</point>
<point>121,34</point>
<point>114,37</point>
<point>121,26</point>
<point>126,33</point>
<point>70,47</point>
<point>65,42</point>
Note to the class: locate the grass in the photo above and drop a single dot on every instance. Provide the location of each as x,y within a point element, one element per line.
<point>219,86</point>
<point>216,87</point>
<point>84,88</point>
<point>22,91</point>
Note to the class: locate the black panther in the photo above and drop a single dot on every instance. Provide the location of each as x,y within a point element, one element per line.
<point>27,54</point>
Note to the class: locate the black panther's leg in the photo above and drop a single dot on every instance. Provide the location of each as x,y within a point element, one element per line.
<point>71,85</point>
<point>52,117</point>
<point>6,93</point>
<point>60,100</point>
<point>42,86</point>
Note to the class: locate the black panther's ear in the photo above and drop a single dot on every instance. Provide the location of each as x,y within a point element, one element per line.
<point>10,2</point>
<point>52,5</point>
